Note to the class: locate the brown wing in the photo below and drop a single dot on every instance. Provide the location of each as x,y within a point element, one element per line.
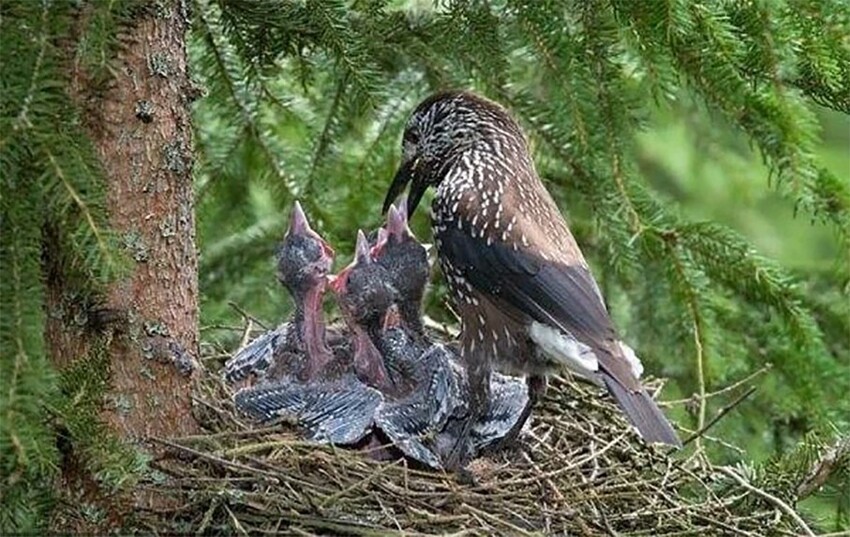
<point>558,295</point>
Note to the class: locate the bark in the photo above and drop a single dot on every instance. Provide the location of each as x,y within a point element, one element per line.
<point>139,124</point>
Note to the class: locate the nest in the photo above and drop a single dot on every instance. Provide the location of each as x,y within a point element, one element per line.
<point>579,469</point>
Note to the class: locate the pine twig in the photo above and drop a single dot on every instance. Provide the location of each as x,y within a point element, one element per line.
<point>723,411</point>
<point>823,468</point>
<point>781,505</point>
<point>764,369</point>
<point>246,315</point>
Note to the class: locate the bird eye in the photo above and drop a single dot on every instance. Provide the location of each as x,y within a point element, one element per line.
<point>410,137</point>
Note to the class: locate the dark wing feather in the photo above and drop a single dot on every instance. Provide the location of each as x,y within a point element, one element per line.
<point>562,296</point>
<point>335,412</point>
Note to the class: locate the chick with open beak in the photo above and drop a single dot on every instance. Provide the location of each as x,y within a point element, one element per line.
<point>406,262</point>
<point>297,347</point>
<point>305,380</point>
<point>364,294</point>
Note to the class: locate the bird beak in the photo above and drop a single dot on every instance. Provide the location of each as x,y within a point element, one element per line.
<point>406,174</point>
<point>298,221</point>
<point>362,252</point>
<point>392,319</point>
<point>383,236</point>
<point>336,282</point>
<point>414,196</point>
<point>397,221</point>
<point>299,225</point>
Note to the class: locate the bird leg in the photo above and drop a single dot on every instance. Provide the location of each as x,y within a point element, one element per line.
<point>537,387</point>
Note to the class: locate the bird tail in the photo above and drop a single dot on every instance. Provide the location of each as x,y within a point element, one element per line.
<point>643,413</point>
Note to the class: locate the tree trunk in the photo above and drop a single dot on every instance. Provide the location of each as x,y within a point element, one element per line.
<point>139,124</point>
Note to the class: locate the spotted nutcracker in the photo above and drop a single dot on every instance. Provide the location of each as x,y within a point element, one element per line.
<point>525,295</point>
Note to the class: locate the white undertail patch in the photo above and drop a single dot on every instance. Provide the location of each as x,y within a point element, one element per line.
<point>565,350</point>
<point>634,361</point>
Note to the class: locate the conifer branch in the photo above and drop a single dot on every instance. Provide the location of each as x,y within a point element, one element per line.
<point>828,462</point>
<point>324,140</point>
<point>389,120</point>
<point>21,120</point>
<point>692,304</point>
<point>781,505</point>
<point>103,246</point>
<point>212,39</point>
<point>724,390</point>
<point>700,432</point>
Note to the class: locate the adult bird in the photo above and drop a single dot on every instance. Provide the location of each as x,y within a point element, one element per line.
<point>525,295</point>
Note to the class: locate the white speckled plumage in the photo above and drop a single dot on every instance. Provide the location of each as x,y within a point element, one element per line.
<point>509,258</point>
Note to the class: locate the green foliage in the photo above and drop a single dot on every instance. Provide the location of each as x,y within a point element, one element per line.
<point>657,124</point>
<point>307,100</point>
<point>27,452</point>
<point>83,385</point>
<point>53,227</point>
<point>800,472</point>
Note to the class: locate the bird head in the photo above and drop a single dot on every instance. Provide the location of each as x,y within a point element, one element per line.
<point>404,258</point>
<point>303,258</point>
<point>439,131</point>
<point>363,288</point>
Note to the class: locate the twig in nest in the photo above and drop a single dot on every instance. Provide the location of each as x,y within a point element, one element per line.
<point>236,523</point>
<point>246,333</point>
<point>784,507</point>
<point>217,326</point>
<point>205,522</point>
<point>723,411</point>
<point>514,529</point>
<point>213,458</point>
<point>823,468</point>
<point>362,484</point>
<point>246,315</point>
<point>564,469</point>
